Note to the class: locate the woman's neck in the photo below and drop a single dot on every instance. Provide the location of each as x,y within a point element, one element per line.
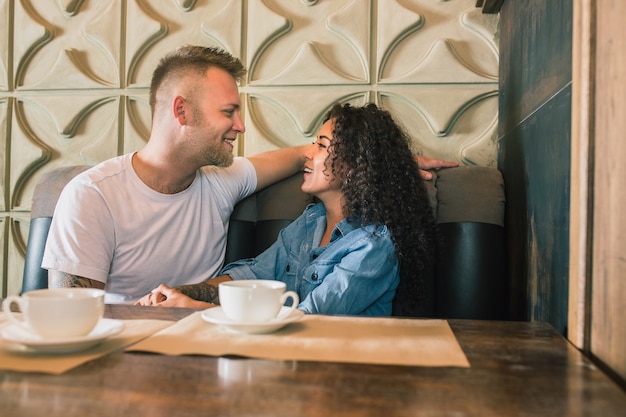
<point>334,214</point>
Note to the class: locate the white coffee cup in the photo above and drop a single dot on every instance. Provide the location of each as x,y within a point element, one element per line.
<point>255,300</point>
<point>57,313</point>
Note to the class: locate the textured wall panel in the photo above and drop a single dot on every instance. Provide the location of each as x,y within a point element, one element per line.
<point>4,141</point>
<point>155,27</point>
<point>67,45</point>
<point>608,293</point>
<point>59,130</point>
<point>3,263</point>
<point>539,55</point>
<point>435,65</point>
<point>423,41</point>
<point>283,117</point>
<point>453,122</point>
<point>137,122</point>
<point>535,144</point>
<point>5,28</point>
<point>314,43</point>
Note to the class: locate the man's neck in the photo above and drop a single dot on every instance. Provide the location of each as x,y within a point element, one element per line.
<point>160,175</point>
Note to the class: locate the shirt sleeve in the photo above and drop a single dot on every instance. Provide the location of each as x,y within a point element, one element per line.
<point>234,182</point>
<point>80,241</point>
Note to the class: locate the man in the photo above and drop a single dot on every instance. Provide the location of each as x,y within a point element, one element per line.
<point>161,214</point>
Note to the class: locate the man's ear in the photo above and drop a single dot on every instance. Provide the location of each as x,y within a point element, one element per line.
<point>179,109</point>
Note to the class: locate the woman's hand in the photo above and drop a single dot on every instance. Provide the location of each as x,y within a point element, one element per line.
<point>151,299</point>
<point>164,296</point>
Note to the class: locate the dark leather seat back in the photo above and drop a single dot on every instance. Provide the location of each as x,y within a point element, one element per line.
<point>45,198</point>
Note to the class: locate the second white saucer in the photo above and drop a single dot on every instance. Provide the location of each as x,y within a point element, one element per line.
<point>216,315</point>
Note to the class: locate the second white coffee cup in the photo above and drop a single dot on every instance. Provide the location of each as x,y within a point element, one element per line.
<point>254,301</point>
<point>57,313</point>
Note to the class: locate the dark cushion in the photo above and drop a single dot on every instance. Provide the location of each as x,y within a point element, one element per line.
<point>469,194</point>
<point>45,197</point>
<point>470,274</point>
<point>49,188</point>
<point>35,277</point>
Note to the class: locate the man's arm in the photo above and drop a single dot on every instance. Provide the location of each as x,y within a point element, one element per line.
<point>431,163</point>
<point>202,292</point>
<point>273,166</point>
<point>202,295</point>
<point>59,279</point>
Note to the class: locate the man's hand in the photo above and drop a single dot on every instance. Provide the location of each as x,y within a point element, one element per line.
<point>431,163</point>
<point>164,296</point>
<point>152,299</point>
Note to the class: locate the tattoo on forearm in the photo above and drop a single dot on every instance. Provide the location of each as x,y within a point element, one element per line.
<point>201,292</point>
<point>59,279</point>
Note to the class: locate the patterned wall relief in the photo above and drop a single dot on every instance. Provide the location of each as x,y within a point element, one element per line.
<point>435,65</point>
<point>155,27</point>
<point>279,117</point>
<point>438,71</point>
<point>5,27</point>
<point>67,45</point>
<point>309,43</point>
<point>137,121</point>
<point>4,142</point>
<point>435,42</point>
<point>3,257</point>
<point>51,131</point>
<point>451,122</point>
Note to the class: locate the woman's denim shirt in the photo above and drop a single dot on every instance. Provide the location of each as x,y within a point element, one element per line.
<point>355,274</point>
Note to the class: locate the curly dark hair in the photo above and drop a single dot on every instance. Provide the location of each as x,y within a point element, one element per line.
<point>382,185</point>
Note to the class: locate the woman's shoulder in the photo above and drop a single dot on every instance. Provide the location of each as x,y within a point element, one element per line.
<point>374,235</point>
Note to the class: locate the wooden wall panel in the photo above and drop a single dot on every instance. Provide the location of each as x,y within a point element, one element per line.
<point>535,57</point>
<point>533,36</point>
<point>534,154</point>
<point>608,283</point>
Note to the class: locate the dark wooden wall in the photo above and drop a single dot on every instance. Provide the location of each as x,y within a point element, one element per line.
<point>534,154</point>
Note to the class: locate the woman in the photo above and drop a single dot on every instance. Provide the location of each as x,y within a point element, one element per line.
<point>366,247</point>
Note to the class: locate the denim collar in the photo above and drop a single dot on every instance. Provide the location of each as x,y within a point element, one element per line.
<point>316,211</point>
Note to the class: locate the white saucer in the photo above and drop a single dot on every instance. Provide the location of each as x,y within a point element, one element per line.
<point>216,315</point>
<point>19,335</point>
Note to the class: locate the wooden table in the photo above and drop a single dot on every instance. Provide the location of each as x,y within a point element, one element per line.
<point>517,369</point>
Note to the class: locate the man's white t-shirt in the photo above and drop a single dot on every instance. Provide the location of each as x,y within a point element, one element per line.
<point>109,226</point>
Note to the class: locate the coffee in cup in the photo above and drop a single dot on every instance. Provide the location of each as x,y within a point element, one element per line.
<point>57,313</point>
<point>255,300</point>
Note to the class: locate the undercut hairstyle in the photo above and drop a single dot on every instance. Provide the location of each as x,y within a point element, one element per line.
<point>194,59</point>
<point>380,179</point>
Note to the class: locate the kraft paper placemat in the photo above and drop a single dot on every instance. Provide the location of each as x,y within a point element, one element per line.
<point>388,341</point>
<point>15,358</point>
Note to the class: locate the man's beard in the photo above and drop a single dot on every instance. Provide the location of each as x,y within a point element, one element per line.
<point>218,156</point>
